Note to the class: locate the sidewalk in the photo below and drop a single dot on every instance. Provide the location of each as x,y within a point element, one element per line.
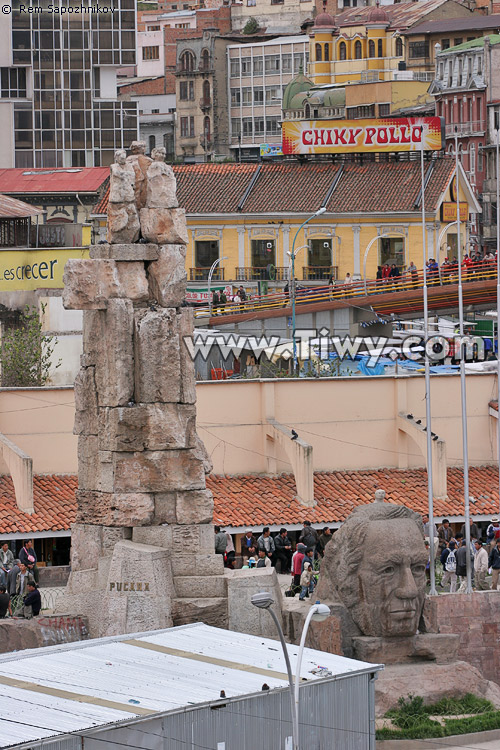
<point>478,741</point>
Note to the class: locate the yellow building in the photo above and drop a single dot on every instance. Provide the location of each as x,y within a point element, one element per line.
<point>248,217</point>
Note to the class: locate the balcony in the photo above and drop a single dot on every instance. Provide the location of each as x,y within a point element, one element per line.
<point>201,274</point>
<point>319,273</point>
<point>474,127</point>
<point>205,103</point>
<point>262,273</point>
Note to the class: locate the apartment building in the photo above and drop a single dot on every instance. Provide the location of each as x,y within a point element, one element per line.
<point>258,73</point>
<point>58,103</point>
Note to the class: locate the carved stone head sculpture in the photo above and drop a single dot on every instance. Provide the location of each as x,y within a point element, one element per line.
<point>375,565</point>
<point>120,156</point>
<point>159,153</point>
<point>137,147</point>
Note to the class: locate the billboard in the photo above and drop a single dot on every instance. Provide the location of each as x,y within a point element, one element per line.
<point>449,212</point>
<point>270,149</point>
<point>362,136</point>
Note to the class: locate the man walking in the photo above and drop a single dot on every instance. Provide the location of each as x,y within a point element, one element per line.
<point>494,564</point>
<point>480,567</point>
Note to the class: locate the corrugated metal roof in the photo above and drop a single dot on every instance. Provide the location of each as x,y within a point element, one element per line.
<point>469,23</point>
<point>52,691</point>
<point>11,208</point>
<point>72,180</point>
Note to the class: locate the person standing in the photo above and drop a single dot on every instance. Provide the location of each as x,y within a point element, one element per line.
<point>215,302</point>
<point>324,538</point>
<point>12,578</point>
<point>230,553</point>
<point>494,564</point>
<point>493,532</point>
<point>23,578</point>
<point>474,531</point>
<point>28,557</point>
<point>283,547</point>
<point>462,553</point>
<point>4,602</point>
<point>248,545</point>
<point>413,271</point>
<point>480,567</point>
<point>445,535</point>
<point>220,541</point>
<point>6,562</point>
<point>309,535</point>
<point>266,542</point>
<point>297,564</point>
<point>449,562</point>
<point>305,581</point>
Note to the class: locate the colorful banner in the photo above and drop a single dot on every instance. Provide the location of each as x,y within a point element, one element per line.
<point>270,149</point>
<point>201,295</point>
<point>362,136</point>
<point>35,269</point>
<point>449,212</point>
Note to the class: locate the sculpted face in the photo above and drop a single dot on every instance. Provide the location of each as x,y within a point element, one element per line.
<point>120,156</point>
<point>390,580</point>
<point>158,154</point>
<point>137,147</point>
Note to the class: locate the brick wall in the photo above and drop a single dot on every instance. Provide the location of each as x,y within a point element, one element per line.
<point>476,619</point>
<point>155,86</point>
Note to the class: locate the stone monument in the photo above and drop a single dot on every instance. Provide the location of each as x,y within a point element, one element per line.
<point>142,553</point>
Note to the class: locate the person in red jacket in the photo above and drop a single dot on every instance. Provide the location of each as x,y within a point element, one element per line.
<point>297,563</point>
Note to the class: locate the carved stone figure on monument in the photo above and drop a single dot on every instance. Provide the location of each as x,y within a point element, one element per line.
<point>375,566</point>
<point>123,219</point>
<point>161,182</point>
<point>140,163</point>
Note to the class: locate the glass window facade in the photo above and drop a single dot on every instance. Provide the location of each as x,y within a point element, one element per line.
<point>67,124</point>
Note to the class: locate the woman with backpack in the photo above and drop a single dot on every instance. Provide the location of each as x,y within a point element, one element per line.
<point>449,562</point>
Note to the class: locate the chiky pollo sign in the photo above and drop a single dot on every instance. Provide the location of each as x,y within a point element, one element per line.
<point>362,136</point>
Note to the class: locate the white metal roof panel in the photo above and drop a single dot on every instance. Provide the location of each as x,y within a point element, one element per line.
<point>51,691</point>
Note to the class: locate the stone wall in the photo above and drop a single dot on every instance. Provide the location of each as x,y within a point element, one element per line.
<point>47,630</point>
<point>476,619</point>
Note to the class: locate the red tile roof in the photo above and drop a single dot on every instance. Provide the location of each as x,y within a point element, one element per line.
<point>255,500</point>
<point>54,500</point>
<point>290,187</point>
<point>70,180</point>
<point>102,206</point>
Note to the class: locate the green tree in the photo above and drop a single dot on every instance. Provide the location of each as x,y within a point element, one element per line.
<point>26,352</point>
<point>251,26</point>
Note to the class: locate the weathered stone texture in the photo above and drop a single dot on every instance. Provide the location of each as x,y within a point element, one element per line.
<point>108,344</point>
<point>167,276</point>
<point>130,252</point>
<point>161,186</point>
<point>86,422</point>
<point>241,585</point>
<point>185,327</point>
<point>90,542</point>
<point>153,427</point>
<point>123,223</point>
<point>140,164</point>
<point>89,284</point>
<point>191,507</point>
<point>164,226</point>
<point>159,471</point>
<point>157,357</point>
<point>114,508</point>
<point>44,630</point>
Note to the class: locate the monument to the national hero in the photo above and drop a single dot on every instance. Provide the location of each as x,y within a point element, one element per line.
<point>142,552</point>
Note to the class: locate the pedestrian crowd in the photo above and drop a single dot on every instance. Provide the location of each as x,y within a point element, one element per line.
<point>451,551</point>
<point>19,594</point>
<point>299,559</point>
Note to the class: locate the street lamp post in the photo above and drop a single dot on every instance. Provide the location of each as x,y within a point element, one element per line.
<point>319,612</point>
<point>369,246</point>
<point>292,281</point>
<point>210,274</point>
<point>497,125</point>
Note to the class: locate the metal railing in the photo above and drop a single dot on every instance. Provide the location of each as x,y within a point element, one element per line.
<point>262,273</point>
<point>408,281</point>
<point>319,273</point>
<point>201,274</point>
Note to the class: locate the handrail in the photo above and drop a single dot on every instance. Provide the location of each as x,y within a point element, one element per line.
<point>406,282</point>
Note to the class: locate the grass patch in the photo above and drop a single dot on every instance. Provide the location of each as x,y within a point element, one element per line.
<point>413,718</point>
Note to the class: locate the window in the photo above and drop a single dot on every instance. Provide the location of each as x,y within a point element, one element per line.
<point>472,158</point>
<point>358,50</point>
<point>273,94</point>
<point>259,126</point>
<point>399,47</point>
<point>445,43</point>
<point>263,253</point>
<point>206,252</point>
<point>184,127</point>
<point>246,66</point>
<point>450,73</point>
<point>251,2</point>
<point>327,52</point>
<point>235,126</point>
<point>380,48</point>
<point>206,92</point>
<point>342,51</point>
<point>246,96</point>
<point>441,70</point>
<point>457,41</point>
<point>258,65</point>
<point>191,127</point>
<point>319,53</point>
<point>272,125</point>
<point>235,67</point>
<point>235,97</point>
<point>153,28</point>
<point>258,95</point>
<point>205,60</point>
<point>307,111</point>
<point>479,65</point>
<point>384,110</point>
<point>206,129</point>
<point>419,50</point>
<point>286,63</point>
<point>152,142</point>
<point>320,253</point>
<point>298,60</point>
<point>150,53</point>
<point>247,126</point>
<point>13,83</point>
<point>480,165</point>
<point>187,60</point>
<point>469,66</point>
<point>371,48</point>
<point>272,64</point>
<point>186,91</point>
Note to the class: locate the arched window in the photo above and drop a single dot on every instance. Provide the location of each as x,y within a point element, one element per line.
<point>342,51</point>
<point>371,48</point>
<point>307,111</point>
<point>380,48</point>
<point>472,159</point>
<point>206,92</point>
<point>205,60</point>
<point>327,52</point>
<point>358,50</point>
<point>479,157</point>
<point>319,54</point>
<point>399,47</point>
<point>206,129</point>
<point>187,60</point>
<point>152,142</point>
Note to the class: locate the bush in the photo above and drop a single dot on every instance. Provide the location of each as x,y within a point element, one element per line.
<point>251,26</point>
<point>26,352</point>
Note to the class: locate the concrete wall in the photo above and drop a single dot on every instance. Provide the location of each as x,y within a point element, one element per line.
<point>351,424</point>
